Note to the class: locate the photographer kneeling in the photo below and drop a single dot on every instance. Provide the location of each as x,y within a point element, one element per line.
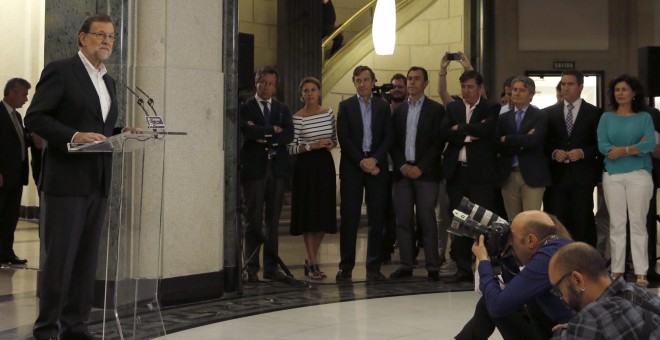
<point>525,308</point>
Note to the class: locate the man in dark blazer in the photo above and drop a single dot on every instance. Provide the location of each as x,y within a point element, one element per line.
<point>416,148</point>
<point>13,165</point>
<point>470,160</point>
<point>75,101</point>
<point>575,164</point>
<point>267,128</point>
<point>365,135</point>
<point>523,163</point>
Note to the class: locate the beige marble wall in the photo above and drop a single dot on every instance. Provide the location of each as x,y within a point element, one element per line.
<point>22,56</point>
<point>176,56</point>
<point>421,42</point>
<point>259,17</point>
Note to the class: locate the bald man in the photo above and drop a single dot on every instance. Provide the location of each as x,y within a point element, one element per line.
<point>605,308</point>
<point>534,238</point>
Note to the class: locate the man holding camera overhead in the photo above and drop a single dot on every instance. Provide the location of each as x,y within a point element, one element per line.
<point>525,308</point>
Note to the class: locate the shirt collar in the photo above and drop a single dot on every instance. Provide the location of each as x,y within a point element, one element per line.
<point>90,68</point>
<point>260,100</point>
<point>360,98</point>
<point>419,101</point>
<point>473,106</point>
<point>575,103</point>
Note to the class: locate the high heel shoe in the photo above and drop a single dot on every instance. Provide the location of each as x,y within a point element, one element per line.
<point>642,281</point>
<point>307,267</point>
<point>316,269</point>
<point>315,273</point>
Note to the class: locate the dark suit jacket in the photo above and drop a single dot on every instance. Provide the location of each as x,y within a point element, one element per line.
<point>528,147</point>
<point>66,102</point>
<point>428,142</point>
<point>585,172</point>
<point>350,131</point>
<point>14,170</point>
<point>254,155</point>
<point>481,153</point>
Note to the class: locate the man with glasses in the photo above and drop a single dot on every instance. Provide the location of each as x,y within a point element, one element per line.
<point>525,308</point>
<point>606,308</point>
<point>75,102</point>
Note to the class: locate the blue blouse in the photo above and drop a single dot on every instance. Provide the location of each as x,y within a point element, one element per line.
<point>615,130</point>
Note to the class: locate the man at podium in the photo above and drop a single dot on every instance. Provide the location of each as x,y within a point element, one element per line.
<point>75,102</point>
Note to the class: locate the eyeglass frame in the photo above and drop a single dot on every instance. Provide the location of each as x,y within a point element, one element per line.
<point>555,288</point>
<point>111,37</point>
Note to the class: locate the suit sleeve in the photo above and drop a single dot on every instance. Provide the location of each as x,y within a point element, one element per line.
<point>39,118</point>
<point>397,149</point>
<point>530,141</point>
<point>252,132</point>
<point>286,123</point>
<point>591,150</point>
<point>348,148</point>
<point>385,115</point>
<point>453,137</point>
<point>431,155</point>
<point>484,128</point>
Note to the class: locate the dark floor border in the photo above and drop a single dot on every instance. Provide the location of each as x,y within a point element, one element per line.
<point>191,288</point>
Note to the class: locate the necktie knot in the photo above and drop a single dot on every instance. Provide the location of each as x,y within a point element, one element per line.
<point>570,106</point>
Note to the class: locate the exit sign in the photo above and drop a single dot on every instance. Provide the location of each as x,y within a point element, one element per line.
<point>563,65</point>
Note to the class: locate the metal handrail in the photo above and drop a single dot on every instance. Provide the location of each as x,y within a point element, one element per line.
<point>341,28</point>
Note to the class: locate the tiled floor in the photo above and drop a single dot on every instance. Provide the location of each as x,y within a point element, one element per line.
<point>404,309</point>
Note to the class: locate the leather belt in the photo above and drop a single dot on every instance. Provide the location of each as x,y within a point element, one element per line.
<point>462,163</point>
<point>411,162</point>
<point>515,169</point>
<point>367,154</point>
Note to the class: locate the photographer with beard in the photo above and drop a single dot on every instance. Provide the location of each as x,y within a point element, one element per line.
<point>606,308</point>
<point>525,308</point>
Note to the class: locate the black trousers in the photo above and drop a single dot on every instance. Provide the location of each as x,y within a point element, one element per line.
<point>263,198</point>
<point>528,323</point>
<point>574,208</point>
<point>10,206</point>
<point>72,231</point>
<point>352,188</point>
<point>483,195</point>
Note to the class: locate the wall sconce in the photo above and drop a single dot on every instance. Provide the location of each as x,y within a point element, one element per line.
<point>383,29</point>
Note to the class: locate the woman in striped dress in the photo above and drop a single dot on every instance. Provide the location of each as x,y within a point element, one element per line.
<point>313,206</point>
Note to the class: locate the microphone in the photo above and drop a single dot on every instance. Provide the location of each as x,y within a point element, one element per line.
<point>150,101</point>
<point>153,121</point>
<point>140,101</point>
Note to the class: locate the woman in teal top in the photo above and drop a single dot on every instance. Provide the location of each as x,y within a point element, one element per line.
<point>626,138</point>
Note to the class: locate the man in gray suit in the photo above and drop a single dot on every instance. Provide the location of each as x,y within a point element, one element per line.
<point>415,151</point>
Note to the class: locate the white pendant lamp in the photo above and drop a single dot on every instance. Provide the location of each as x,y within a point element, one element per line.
<point>383,30</point>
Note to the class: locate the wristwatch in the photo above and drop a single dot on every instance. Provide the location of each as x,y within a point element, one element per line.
<point>308,147</point>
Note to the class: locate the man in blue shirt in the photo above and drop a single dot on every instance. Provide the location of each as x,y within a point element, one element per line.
<point>525,308</point>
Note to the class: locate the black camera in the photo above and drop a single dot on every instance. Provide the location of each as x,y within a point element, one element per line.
<point>471,220</point>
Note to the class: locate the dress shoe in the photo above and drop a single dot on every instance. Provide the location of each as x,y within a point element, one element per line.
<point>76,336</point>
<point>375,276</point>
<point>275,276</point>
<point>401,273</point>
<point>13,259</point>
<point>433,276</point>
<point>459,277</point>
<point>251,277</point>
<point>344,275</point>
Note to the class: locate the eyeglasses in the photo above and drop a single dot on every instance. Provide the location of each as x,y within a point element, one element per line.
<point>102,36</point>
<point>555,288</point>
